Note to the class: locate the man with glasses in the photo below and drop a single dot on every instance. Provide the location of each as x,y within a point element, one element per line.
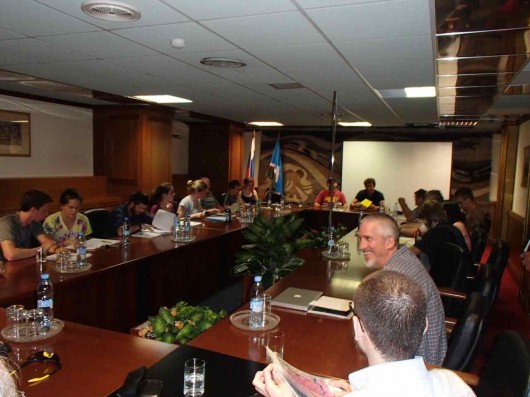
<point>475,217</point>
<point>389,321</point>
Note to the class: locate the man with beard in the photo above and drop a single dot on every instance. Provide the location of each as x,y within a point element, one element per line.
<point>135,211</point>
<point>379,238</point>
<point>389,321</point>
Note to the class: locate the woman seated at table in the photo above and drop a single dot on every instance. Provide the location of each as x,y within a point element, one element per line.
<point>191,204</point>
<point>248,194</point>
<point>162,198</point>
<point>64,226</point>
<point>324,197</point>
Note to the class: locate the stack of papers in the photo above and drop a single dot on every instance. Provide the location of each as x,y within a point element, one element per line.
<point>332,307</point>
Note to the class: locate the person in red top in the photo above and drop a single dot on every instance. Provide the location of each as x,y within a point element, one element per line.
<point>324,197</point>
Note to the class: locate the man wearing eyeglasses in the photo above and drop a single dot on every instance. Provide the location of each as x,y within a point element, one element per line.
<point>475,217</point>
<point>389,321</point>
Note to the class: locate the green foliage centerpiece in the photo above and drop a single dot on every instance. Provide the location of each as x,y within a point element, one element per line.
<point>272,244</point>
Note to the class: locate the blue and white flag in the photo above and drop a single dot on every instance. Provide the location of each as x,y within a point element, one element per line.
<point>250,162</point>
<point>275,173</point>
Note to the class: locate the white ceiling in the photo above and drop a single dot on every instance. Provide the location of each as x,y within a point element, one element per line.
<point>349,46</point>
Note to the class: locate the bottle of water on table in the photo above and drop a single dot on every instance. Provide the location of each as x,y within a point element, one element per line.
<point>45,301</point>
<point>187,226</point>
<point>81,249</point>
<point>126,232</point>
<point>257,304</point>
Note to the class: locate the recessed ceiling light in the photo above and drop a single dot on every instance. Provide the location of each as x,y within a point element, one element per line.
<point>420,92</point>
<point>110,10</point>
<point>266,123</point>
<point>223,62</point>
<point>162,98</point>
<point>355,124</point>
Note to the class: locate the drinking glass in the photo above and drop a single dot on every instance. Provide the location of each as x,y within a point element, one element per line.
<point>343,250</point>
<point>16,318</point>
<point>34,319</point>
<point>267,308</point>
<point>276,342</point>
<point>194,374</point>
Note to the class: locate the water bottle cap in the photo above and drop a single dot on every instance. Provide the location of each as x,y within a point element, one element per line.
<point>80,234</point>
<point>44,276</point>
<point>126,219</point>
<point>257,279</point>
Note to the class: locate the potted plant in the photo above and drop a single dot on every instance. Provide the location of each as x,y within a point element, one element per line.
<point>272,245</point>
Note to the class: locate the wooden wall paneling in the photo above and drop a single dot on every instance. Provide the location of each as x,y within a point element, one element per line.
<point>156,156</point>
<point>179,184</point>
<point>235,158</point>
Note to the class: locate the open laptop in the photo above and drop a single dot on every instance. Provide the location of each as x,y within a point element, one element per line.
<point>296,298</point>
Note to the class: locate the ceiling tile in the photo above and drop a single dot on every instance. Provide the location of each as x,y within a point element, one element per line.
<point>8,34</point>
<point>399,74</point>
<point>415,110</point>
<point>32,50</point>
<point>99,45</point>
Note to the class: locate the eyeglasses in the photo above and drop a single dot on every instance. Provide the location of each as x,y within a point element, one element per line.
<point>39,366</point>
<point>356,315</point>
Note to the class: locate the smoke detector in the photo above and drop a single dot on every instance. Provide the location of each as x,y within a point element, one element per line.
<point>111,10</point>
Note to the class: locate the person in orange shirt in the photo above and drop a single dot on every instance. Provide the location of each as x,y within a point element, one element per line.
<point>324,197</point>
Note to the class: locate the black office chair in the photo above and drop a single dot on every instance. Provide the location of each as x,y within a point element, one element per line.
<point>507,370</point>
<point>466,336</point>
<point>450,266</point>
<point>98,218</point>
<point>479,240</point>
<point>274,197</point>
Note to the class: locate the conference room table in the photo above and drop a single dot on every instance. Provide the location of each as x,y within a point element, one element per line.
<point>317,344</point>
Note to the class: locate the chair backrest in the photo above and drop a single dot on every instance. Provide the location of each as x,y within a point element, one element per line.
<point>98,218</point>
<point>274,197</point>
<point>507,369</point>
<point>479,240</point>
<point>466,336</point>
<point>447,265</point>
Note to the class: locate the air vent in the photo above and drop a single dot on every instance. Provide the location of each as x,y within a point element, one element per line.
<point>223,62</point>
<point>458,124</point>
<point>287,86</point>
<point>111,10</point>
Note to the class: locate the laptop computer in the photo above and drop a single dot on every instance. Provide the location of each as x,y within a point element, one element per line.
<point>296,298</point>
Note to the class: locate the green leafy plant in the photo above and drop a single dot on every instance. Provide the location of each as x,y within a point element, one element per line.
<point>272,244</point>
<point>180,323</point>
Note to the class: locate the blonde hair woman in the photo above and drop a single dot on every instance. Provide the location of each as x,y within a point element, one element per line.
<point>191,204</point>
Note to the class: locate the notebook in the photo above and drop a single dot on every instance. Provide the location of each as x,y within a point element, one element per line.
<point>296,298</point>
<point>332,307</point>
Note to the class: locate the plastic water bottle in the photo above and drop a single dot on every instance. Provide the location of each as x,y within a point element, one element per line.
<point>81,249</point>
<point>177,230</point>
<point>257,303</point>
<point>126,232</point>
<point>187,226</point>
<point>382,208</point>
<point>228,215</point>
<point>395,211</point>
<point>45,300</point>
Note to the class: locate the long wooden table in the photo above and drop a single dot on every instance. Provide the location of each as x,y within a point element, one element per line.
<point>317,344</point>
<point>94,361</point>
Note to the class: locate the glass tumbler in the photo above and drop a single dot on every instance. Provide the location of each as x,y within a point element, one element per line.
<point>16,319</point>
<point>194,374</point>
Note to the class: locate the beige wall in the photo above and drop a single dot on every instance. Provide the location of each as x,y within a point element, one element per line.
<point>61,140</point>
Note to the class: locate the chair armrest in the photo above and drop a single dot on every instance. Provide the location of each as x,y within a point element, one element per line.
<point>470,379</point>
<point>451,293</point>
<point>449,325</point>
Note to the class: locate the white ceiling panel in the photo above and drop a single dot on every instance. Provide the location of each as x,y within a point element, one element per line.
<point>200,10</point>
<point>32,50</point>
<point>415,110</point>
<point>99,45</point>
<point>522,78</point>
<point>198,39</point>
<point>8,34</point>
<point>399,74</point>
<point>333,3</point>
<point>363,21</point>
<point>32,19</point>
<point>153,12</point>
<point>265,31</point>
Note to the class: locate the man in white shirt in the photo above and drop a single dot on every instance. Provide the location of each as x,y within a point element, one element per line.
<point>389,320</point>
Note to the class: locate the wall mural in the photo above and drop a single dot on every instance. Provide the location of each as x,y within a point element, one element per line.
<point>306,164</point>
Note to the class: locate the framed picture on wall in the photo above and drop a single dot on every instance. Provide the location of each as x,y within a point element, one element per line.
<point>15,133</point>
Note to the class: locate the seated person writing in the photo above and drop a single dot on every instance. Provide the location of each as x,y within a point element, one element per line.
<point>65,225</point>
<point>376,197</point>
<point>324,197</point>
<point>191,204</point>
<point>389,321</point>
<point>210,202</point>
<point>135,211</point>
<point>162,198</point>
<point>21,234</point>
<point>232,196</point>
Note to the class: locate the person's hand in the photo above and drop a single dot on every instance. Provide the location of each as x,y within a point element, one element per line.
<point>146,226</point>
<point>525,256</point>
<point>339,387</point>
<point>270,383</point>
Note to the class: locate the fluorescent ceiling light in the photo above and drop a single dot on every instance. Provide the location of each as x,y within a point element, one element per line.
<point>162,98</point>
<point>266,123</point>
<point>420,92</point>
<point>356,124</point>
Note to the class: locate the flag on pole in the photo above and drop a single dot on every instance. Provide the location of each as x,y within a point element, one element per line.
<point>275,173</point>
<point>250,163</point>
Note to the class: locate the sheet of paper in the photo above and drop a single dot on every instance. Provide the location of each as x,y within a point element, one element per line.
<point>150,234</point>
<point>216,218</point>
<point>366,203</point>
<point>95,243</point>
<point>329,302</point>
<point>164,220</point>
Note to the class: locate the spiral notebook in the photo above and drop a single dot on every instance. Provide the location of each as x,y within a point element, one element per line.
<point>296,298</point>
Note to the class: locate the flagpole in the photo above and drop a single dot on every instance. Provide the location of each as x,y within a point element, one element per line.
<point>332,160</point>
